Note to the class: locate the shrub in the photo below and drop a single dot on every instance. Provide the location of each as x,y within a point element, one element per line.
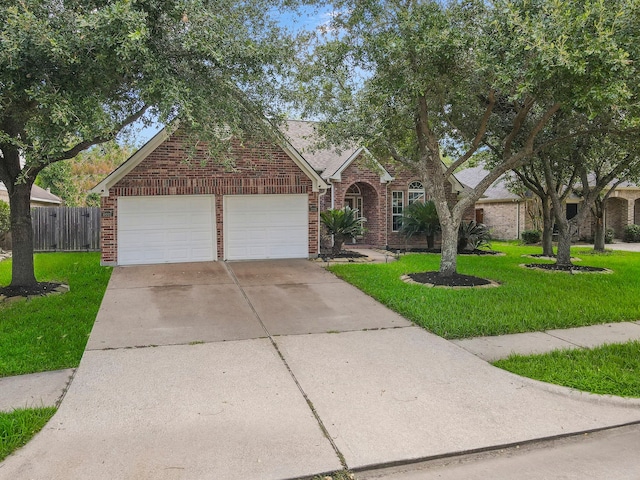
<point>421,218</point>
<point>632,233</point>
<point>608,235</point>
<point>472,236</point>
<point>531,236</point>
<point>342,224</point>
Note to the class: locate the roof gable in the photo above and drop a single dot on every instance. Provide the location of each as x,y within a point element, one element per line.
<point>119,173</point>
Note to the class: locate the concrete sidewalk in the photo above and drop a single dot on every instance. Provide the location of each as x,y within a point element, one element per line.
<point>501,346</point>
<point>47,388</point>
<point>274,370</point>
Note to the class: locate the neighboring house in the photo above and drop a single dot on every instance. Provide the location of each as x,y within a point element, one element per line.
<point>39,197</point>
<point>508,214</point>
<point>157,208</point>
<point>504,212</point>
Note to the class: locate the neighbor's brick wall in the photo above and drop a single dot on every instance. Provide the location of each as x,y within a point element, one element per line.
<point>504,219</point>
<point>263,168</point>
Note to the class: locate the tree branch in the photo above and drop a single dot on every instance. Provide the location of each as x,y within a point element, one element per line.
<point>75,150</point>
<point>517,125</point>
<point>478,138</point>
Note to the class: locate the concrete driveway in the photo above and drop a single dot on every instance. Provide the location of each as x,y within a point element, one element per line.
<point>275,370</point>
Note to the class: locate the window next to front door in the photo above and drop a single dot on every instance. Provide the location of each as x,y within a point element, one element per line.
<point>397,204</point>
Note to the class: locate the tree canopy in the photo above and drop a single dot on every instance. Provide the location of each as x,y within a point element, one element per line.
<point>75,73</point>
<point>415,80</point>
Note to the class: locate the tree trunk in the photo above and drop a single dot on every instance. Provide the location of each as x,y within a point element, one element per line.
<point>599,231</point>
<point>547,228</point>
<point>430,239</point>
<point>338,240</point>
<point>564,244</point>
<point>22,273</point>
<point>598,235</point>
<point>449,258</point>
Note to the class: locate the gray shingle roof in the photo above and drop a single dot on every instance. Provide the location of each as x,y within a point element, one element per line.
<point>40,194</point>
<point>498,191</point>
<point>302,135</point>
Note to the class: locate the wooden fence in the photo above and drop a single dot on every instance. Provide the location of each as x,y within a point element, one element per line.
<point>66,229</point>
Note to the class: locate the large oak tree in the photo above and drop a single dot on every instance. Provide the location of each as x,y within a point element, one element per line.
<point>410,79</point>
<point>76,73</point>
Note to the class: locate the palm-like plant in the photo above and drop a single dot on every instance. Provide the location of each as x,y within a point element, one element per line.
<point>421,218</point>
<point>473,236</point>
<point>342,224</point>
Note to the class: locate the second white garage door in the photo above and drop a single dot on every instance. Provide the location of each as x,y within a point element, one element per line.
<point>266,226</point>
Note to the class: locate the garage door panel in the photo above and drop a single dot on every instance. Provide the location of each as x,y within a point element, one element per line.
<point>266,226</point>
<point>165,229</point>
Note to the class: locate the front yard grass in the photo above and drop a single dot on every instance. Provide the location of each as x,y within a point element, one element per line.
<point>50,333</point>
<point>17,427</point>
<point>609,369</point>
<point>526,301</point>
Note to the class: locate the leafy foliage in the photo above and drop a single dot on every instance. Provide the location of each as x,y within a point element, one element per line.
<point>473,235</point>
<point>421,218</point>
<point>416,81</point>
<point>5,221</point>
<point>632,233</point>
<point>72,179</point>
<point>77,74</point>
<point>342,224</point>
<point>531,236</point>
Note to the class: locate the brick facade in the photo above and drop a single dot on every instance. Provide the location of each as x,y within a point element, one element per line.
<point>263,168</point>
<point>377,202</point>
<point>506,220</point>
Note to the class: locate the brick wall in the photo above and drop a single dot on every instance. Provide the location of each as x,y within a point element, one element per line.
<point>377,201</point>
<point>505,220</point>
<point>262,168</point>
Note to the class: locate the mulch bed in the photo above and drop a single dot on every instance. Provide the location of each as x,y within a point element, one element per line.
<point>42,289</point>
<point>457,280</point>
<point>552,267</point>
<point>342,254</point>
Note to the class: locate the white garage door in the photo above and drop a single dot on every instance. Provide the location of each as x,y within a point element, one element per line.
<point>166,229</point>
<point>266,226</point>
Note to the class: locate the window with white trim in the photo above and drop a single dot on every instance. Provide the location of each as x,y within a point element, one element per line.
<point>416,193</point>
<point>397,204</point>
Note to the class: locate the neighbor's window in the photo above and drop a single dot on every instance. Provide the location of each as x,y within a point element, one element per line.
<point>416,193</point>
<point>397,203</point>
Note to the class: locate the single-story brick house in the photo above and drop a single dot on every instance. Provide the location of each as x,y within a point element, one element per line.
<point>157,208</point>
<point>508,214</point>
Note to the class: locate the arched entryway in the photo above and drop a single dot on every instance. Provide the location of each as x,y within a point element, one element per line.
<point>363,197</point>
<point>636,211</point>
<point>616,215</point>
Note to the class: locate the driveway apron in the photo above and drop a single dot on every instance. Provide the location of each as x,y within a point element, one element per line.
<point>277,370</point>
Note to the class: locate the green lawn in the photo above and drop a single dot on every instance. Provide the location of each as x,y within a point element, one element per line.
<point>17,427</point>
<point>50,333</point>
<point>527,300</point>
<point>609,369</point>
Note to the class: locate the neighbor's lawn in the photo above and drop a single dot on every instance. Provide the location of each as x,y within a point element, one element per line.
<point>50,333</point>
<point>527,300</point>
<point>17,427</point>
<point>609,369</point>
